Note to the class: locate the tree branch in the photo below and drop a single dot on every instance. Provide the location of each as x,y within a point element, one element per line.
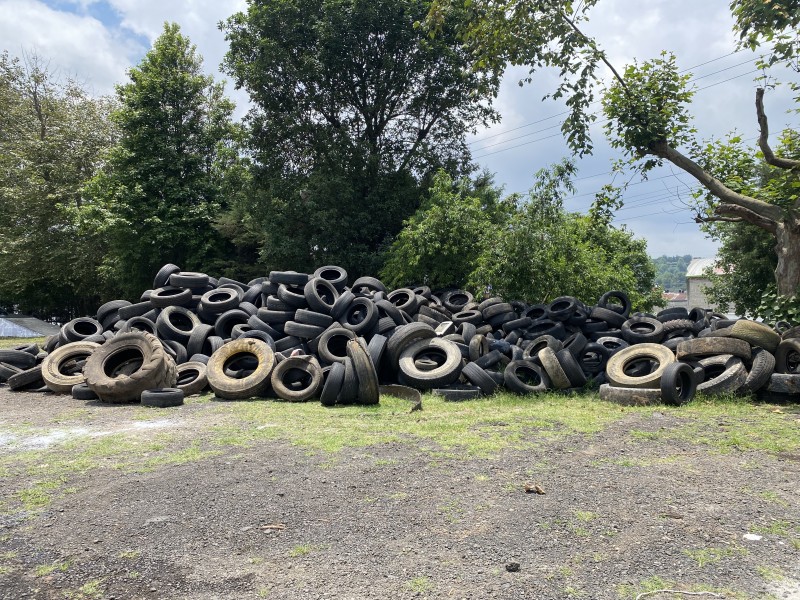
<point>765,210</point>
<point>769,155</point>
<point>734,213</point>
<point>600,53</point>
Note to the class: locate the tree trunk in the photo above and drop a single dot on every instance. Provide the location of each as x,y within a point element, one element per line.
<point>787,273</point>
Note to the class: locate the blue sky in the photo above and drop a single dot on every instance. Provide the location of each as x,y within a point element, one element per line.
<point>97,40</point>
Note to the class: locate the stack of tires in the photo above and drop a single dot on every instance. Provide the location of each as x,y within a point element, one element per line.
<point>299,336</point>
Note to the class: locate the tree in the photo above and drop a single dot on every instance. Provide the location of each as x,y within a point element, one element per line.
<point>53,135</point>
<point>355,108</point>
<point>440,245</point>
<point>646,104</point>
<point>545,252</point>
<point>159,194</point>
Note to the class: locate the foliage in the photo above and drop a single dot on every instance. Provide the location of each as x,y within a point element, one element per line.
<point>52,137</point>
<point>671,272</point>
<point>775,307</point>
<point>440,244</point>
<point>159,193</point>
<point>355,107</point>
<point>545,252</point>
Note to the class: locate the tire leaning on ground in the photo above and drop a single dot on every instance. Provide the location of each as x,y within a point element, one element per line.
<point>53,366</point>
<point>255,384</point>
<point>630,396</point>
<point>162,397</point>
<point>678,384</point>
<point>763,365</point>
<point>305,371</point>
<point>624,359</point>
<point>525,377</point>
<point>446,371</point>
<point>365,372</point>
<point>192,378</point>
<point>729,374</point>
<point>128,364</point>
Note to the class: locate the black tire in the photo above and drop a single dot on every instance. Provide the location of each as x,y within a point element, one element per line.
<point>162,277</point>
<point>254,384</point>
<point>630,396</point>
<point>537,345</point>
<point>7,371</point>
<point>619,363</point>
<point>288,278</point>
<point>337,276</point>
<point>297,378</point>
<point>403,299</point>
<point>456,300</point>
<point>780,383</point>
<point>198,339</point>
<point>377,349</point>
<point>368,286</point>
<point>575,343</point>
<point>302,331</point>
<point>220,300</point>
<point>126,365</point>
<point>109,308</point>
<point>613,318</point>
<point>176,350</point>
<point>188,279</point>
<point>176,323</point>
<point>81,391</point>
<point>480,378</point>
<point>53,367</point>
<point>471,317</point>
<point>546,327</point>
<point>388,310</point>
<point>672,314</point>
<point>309,317</point>
<point>365,372</point>
<point>642,330</point>
<point>333,385</point>
<point>192,378</point>
<point>26,380</point>
<point>678,384</point>
<point>332,345</point>
<point>361,317</point>
<point>624,306</point>
<point>349,392</point>
<point>403,337</point>
<point>447,369</point>
<point>342,304</point>
<point>525,377</point>
<point>763,366</point>
<point>162,397</point>
<point>787,356</point>
<point>257,334</point>
<point>135,310</point>
<point>553,368</point>
<point>594,358</point>
<point>562,308</point>
<point>458,394</point>
<point>170,296</point>
<point>292,296</point>
<point>226,321</point>
<point>18,358</point>
<point>571,367</point>
<point>81,328</point>
<point>259,325</point>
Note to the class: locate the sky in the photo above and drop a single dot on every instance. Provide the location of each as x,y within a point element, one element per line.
<point>98,40</point>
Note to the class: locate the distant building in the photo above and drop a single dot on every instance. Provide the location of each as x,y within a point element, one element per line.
<point>697,281</point>
<point>23,326</point>
<point>675,299</point>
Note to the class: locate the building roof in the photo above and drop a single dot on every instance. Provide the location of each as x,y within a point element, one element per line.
<point>698,267</point>
<point>25,326</point>
<point>674,296</point>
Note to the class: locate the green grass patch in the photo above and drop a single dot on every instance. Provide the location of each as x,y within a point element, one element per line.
<point>304,550</point>
<point>710,556</point>
<point>11,342</point>
<point>419,585</point>
<point>44,570</point>
<point>654,583</point>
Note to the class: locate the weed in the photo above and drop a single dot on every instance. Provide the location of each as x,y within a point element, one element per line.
<point>419,585</point>
<point>131,554</point>
<point>8,555</point>
<point>709,556</point>
<point>43,570</point>
<point>585,516</point>
<point>771,496</point>
<point>776,527</point>
<point>770,574</point>
<point>304,549</point>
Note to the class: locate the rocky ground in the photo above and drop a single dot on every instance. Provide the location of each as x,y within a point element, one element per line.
<point>253,500</point>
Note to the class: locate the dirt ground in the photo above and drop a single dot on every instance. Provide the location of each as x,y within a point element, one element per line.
<point>125,502</point>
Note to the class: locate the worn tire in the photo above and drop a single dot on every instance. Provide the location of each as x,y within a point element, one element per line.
<point>787,356</point>
<point>403,337</point>
<point>162,397</point>
<point>756,334</point>
<point>26,380</point>
<point>365,372</point>
<point>52,366</point>
<point>762,367</point>
<point>642,330</point>
<point>780,383</point>
<point>192,378</point>
<point>678,384</point>
<point>333,384</point>
<point>630,396</point>
<point>444,374</point>
<point>553,368</point>
<point>710,346</point>
<point>309,370</point>
<point>255,384</point>
<point>731,378</point>
<point>82,391</point>
<point>619,362</point>
<point>480,378</point>
<point>525,377</point>
<point>126,365</point>
<point>17,358</point>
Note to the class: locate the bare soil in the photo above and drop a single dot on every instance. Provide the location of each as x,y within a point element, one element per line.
<point>620,514</point>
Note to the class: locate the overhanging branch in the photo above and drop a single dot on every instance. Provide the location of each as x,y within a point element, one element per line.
<point>734,213</point>
<point>769,155</point>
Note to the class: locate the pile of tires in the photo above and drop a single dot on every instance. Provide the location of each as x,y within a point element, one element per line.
<point>298,337</point>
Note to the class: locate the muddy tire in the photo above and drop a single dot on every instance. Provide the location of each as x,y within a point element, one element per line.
<point>756,334</point>
<point>525,377</point>
<point>297,379</point>
<point>630,396</point>
<point>162,397</point>
<point>26,380</point>
<point>192,378</point>
<point>255,384</point>
<point>730,377</point>
<point>554,370</point>
<point>53,366</point>
<point>365,372</point>
<point>619,364</point>
<point>710,346</point>
<point>763,366</point>
<point>126,365</point>
<point>779,383</point>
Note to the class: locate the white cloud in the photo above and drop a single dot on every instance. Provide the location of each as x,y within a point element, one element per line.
<point>75,44</point>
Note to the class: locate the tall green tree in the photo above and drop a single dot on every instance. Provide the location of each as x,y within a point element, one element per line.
<point>354,108</point>
<point>646,104</point>
<point>159,194</point>
<point>53,135</point>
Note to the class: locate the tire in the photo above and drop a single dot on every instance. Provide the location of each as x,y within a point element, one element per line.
<point>333,385</point>
<point>594,358</point>
<point>787,356</point>
<point>478,347</point>
<point>342,304</point>
<point>388,310</point>
<point>546,327</point>
<point>731,378</point>
<point>260,335</point>
<point>403,392</point>
<point>135,310</point>
<point>562,308</point>
<point>176,351</point>
<point>403,299</point>
<point>109,308</point>
<point>302,331</point>
<point>480,378</point>
<point>164,273</point>
<point>192,378</point>
<point>553,368</point>
<point>349,391</point>
<point>457,300</point>
<point>630,396</point>
<point>332,345</point>
<point>309,317</point>
<point>677,327</point>
<point>613,318</point>
<point>81,328</point>
<point>642,330</point>
<point>176,323</point>
<point>227,320</point>
<point>489,359</point>
<point>311,382</point>
<point>756,334</point>
<point>365,372</point>
<point>710,346</point>
<point>571,368</point>
<point>672,314</point>
<point>53,374</point>
<point>361,317</point>
<point>337,276</point>
<point>82,391</point>
<point>288,278</point>
<point>126,365</point>
<point>254,384</point>
<point>162,397</point>
<point>170,296</point>
<point>7,371</point>
<point>447,371</point>
<point>189,279</point>
<point>678,384</point>
<point>293,296</point>
<point>575,343</point>
<point>525,377</point>
<point>376,349</point>
<point>624,305</point>
<point>779,383</point>
<point>198,339</point>
<point>543,341</point>
<point>619,362</point>
<point>760,371</point>
<point>140,324</point>
<point>403,337</point>
<point>26,380</point>
<point>18,358</point>
<point>220,300</point>
<point>458,394</point>
<point>368,285</point>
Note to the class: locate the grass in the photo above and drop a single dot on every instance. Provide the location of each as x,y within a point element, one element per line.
<point>710,556</point>
<point>44,570</point>
<point>419,585</point>
<point>10,342</point>
<point>654,583</point>
<point>304,550</point>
